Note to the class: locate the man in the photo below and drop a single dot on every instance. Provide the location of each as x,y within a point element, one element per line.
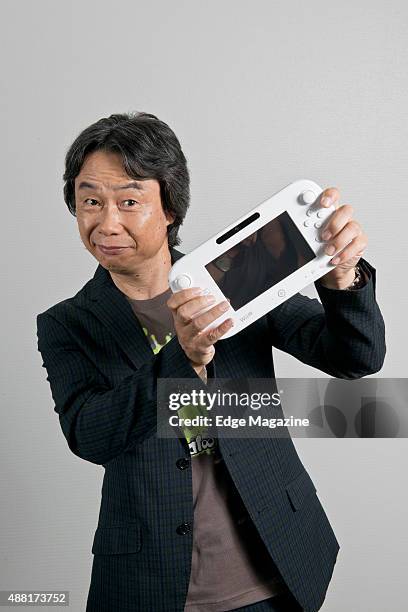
<point>240,527</point>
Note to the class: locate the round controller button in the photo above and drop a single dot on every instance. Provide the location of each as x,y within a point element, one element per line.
<point>308,197</point>
<point>318,224</point>
<point>183,281</point>
<point>308,222</point>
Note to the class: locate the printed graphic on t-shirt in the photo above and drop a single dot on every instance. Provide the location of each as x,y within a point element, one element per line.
<point>155,345</point>
<point>198,441</point>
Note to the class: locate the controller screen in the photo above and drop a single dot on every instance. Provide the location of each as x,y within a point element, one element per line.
<point>261,260</point>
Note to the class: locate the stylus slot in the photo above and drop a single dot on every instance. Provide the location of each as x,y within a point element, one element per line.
<point>237,228</point>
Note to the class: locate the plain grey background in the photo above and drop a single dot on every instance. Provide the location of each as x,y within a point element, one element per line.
<point>259,93</point>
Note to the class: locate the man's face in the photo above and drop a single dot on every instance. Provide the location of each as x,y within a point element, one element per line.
<point>115,210</point>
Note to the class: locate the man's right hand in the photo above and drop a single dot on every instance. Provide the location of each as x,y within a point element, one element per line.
<point>197,345</point>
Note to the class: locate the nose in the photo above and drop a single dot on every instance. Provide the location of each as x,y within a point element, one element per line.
<point>109,221</point>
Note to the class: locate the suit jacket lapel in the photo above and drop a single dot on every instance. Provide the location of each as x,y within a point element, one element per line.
<point>113,309</point>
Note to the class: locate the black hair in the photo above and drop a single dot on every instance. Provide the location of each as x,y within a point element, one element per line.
<point>149,150</point>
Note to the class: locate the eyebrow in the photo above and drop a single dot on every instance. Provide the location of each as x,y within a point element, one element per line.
<point>132,185</point>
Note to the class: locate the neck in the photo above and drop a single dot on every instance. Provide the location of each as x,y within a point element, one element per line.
<point>149,280</point>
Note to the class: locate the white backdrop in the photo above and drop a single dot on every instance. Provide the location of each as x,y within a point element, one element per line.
<point>259,93</point>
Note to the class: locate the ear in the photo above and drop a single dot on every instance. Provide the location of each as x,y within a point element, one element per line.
<point>170,217</point>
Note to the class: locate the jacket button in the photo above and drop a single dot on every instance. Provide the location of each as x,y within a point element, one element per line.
<point>182,463</point>
<point>183,529</point>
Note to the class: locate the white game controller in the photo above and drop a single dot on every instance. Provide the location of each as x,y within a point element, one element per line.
<point>263,258</point>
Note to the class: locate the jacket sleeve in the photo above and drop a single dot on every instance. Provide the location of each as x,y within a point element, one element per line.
<point>344,335</point>
<point>100,422</point>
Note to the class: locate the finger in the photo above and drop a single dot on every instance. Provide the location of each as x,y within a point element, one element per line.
<point>189,310</point>
<point>346,235</point>
<point>337,221</point>
<point>201,321</point>
<point>354,249</point>
<point>180,297</point>
<point>330,197</point>
<point>213,335</point>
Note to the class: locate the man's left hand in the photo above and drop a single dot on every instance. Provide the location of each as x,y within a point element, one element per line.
<point>342,233</point>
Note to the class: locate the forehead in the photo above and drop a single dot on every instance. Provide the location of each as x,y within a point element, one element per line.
<point>103,170</point>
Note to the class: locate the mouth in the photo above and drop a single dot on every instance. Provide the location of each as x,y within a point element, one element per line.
<point>111,250</point>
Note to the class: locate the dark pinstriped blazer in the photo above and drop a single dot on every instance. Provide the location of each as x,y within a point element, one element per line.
<point>103,376</point>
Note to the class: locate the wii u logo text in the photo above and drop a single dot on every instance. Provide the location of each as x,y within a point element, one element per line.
<point>246,316</point>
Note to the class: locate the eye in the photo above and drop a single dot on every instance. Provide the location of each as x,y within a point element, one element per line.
<point>91,202</point>
<point>129,203</point>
